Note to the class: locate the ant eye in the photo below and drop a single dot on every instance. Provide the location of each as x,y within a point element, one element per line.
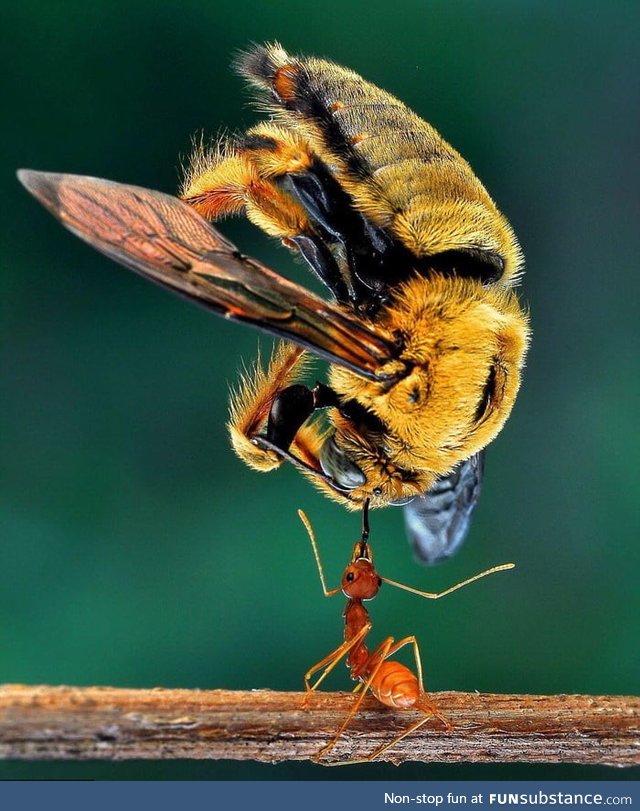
<point>349,578</point>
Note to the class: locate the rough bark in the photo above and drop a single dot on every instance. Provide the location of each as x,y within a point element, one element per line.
<point>81,723</point>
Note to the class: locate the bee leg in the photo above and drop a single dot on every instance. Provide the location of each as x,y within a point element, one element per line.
<point>292,407</point>
<point>227,184</point>
<point>329,211</point>
<point>323,199</point>
<point>251,403</point>
<point>268,412</point>
<point>323,263</point>
<point>291,193</point>
<point>271,154</point>
<point>306,205</point>
<point>372,256</point>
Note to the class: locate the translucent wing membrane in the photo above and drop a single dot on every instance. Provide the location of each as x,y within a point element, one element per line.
<point>163,239</point>
<point>438,521</point>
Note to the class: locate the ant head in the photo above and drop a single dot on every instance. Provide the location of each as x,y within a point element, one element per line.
<point>360,581</point>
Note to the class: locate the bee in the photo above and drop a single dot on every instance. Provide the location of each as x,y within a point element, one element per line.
<point>424,333</point>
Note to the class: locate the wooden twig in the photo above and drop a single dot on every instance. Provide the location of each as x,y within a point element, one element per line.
<point>80,723</point>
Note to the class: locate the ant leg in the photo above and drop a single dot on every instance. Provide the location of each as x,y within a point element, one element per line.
<point>383,748</point>
<point>424,702</point>
<point>330,661</point>
<point>382,651</point>
<point>427,708</point>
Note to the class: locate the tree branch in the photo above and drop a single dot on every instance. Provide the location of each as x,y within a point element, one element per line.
<point>82,723</point>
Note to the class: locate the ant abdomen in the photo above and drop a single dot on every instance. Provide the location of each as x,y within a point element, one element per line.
<point>395,685</point>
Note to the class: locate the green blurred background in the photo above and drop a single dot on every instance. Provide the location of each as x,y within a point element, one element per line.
<point>136,550</point>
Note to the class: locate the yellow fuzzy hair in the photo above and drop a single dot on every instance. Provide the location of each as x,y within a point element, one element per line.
<point>411,182</point>
<point>455,331</point>
<point>215,180</point>
<point>221,180</point>
<point>250,402</point>
<point>289,153</point>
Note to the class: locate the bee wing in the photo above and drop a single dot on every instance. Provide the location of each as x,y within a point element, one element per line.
<point>165,240</point>
<point>438,521</point>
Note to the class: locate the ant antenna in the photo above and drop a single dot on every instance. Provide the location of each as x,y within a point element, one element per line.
<point>434,596</point>
<point>316,553</point>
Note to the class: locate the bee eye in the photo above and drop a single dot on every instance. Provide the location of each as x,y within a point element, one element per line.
<point>350,577</point>
<point>336,463</point>
<point>488,398</point>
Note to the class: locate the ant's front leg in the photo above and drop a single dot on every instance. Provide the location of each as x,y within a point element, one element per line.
<point>332,659</point>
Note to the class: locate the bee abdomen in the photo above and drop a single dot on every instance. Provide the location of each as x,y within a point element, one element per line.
<point>397,169</point>
<point>395,685</point>
<point>365,125</point>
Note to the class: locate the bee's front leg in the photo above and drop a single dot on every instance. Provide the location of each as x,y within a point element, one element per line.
<point>292,407</point>
<point>270,405</point>
<point>251,403</point>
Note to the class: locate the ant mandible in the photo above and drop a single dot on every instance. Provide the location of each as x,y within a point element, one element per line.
<point>392,683</point>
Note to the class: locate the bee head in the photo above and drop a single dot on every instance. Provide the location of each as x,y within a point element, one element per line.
<point>464,345</point>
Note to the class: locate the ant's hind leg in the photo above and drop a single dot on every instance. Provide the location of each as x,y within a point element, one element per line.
<point>424,703</point>
<point>383,651</point>
<point>385,746</point>
<point>429,710</point>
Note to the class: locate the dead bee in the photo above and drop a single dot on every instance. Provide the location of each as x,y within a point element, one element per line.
<point>426,337</point>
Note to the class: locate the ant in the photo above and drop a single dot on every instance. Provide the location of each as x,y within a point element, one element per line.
<point>392,683</point>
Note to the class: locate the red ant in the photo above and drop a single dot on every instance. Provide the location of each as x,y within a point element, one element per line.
<point>392,683</point>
